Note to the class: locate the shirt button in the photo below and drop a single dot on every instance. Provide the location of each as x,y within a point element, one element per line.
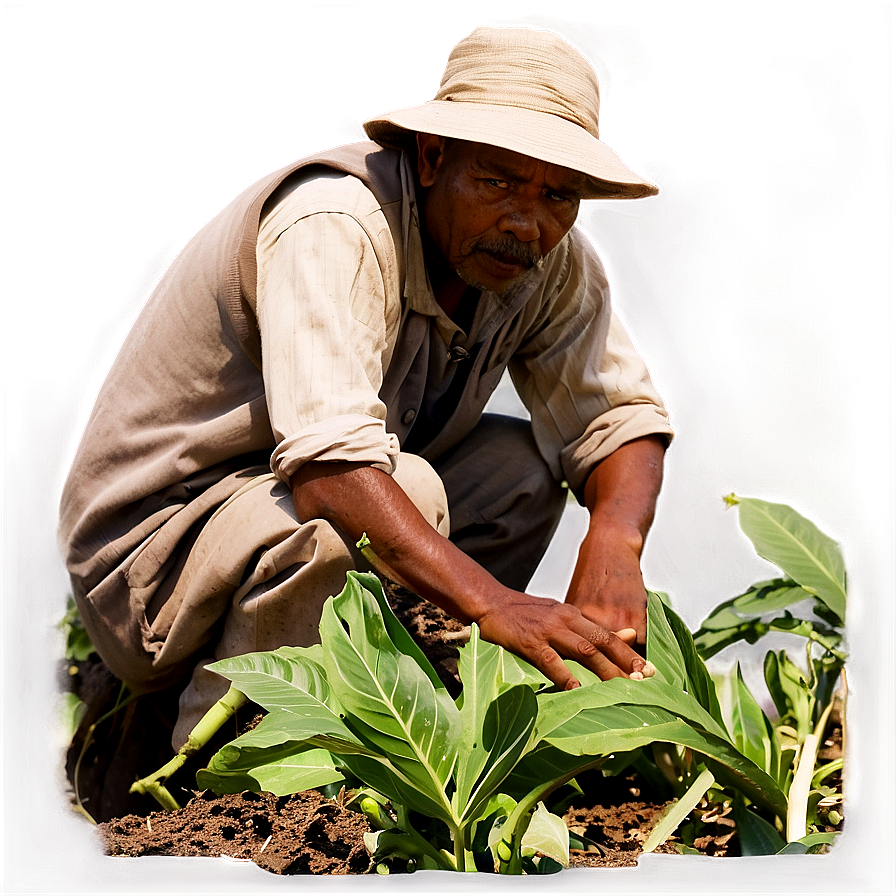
<point>408,416</point>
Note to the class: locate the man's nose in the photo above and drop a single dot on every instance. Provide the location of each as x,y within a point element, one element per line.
<point>521,220</point>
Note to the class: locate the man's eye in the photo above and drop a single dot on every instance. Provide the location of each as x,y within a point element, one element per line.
<point>494,182</point>
<point>558,197</point>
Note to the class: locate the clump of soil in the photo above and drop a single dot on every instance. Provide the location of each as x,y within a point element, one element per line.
<point>304,833</point>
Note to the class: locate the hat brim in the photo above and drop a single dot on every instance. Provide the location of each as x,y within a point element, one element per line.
<point>538,135</point>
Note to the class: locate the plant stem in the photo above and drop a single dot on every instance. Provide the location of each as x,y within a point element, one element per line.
<point>798,797</point>
<point>203,732</point>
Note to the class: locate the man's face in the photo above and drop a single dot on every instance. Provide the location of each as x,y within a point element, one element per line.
<point>492,213</point>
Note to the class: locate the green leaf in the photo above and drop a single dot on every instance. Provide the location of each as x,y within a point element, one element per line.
<point>811,843</point>
<point>662,646</point>
<point>676,813</point>
<point>737,610</point>
<point>506,736</point>
<point>602,729</point>
<point>757,837</point>
<point>496,722</point>
<point>798,547</point>
<point>708,642</point>
<point>480,667</point>
<point>698,681</point>
<point>287,679</point>
<point>282,770</point>
<point>790,692</point>
<point>390,703</point>
<point>558,709</point>
<point>753,732</point>
<point>397,632</point>
<point>547,834</point>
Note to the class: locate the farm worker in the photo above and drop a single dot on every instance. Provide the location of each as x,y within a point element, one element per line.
<point>315,364</point>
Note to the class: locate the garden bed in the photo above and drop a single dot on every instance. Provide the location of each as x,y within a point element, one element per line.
<point>610,810</point>
<point>307,833</point>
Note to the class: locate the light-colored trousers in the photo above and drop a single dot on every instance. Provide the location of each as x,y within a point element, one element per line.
<point>254,577</point>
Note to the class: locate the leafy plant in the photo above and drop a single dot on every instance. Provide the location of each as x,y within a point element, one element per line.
<point>463,785</point>
<point>809,602</point>
<point>460,785</point>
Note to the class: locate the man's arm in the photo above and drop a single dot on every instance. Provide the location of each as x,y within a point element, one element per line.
<point>360,498</point>
<point>620,494</point>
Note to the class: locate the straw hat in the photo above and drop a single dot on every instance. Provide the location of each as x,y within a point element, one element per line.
<point>524,90</point>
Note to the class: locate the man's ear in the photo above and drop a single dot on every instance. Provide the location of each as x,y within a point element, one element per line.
<point>430,153</point>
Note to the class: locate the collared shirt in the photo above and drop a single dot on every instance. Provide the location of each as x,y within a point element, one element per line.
<point>356,349</point>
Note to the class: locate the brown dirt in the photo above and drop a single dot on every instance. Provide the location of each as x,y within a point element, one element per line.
<point>306,833</point>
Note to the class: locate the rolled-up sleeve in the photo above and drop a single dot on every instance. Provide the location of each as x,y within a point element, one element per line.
<point>587,388</point>
<point>326,330</point>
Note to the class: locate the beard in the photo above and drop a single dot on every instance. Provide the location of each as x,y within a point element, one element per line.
<point>505,250</point>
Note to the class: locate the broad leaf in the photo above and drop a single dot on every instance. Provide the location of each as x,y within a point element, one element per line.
<point>797,546</point>
<point>708,642</point>
<point>662,646</point>
<point>698,681</point>
<point>790,692</point>
<point>288,768</point>
<point>389,701</point>
<point>288,679</point>
<point>397,632</point>
<point>762,600</point>
<point>399,785</point>
<point>601,731</point>
<point>560,708</point>
<point>480,667</point>
<point>497,721</point>
<point>506,735</point>
<point>811,843</point>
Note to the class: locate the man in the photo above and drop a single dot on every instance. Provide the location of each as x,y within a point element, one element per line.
<point>315,365</point>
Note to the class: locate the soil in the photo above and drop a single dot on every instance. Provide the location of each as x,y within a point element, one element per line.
<point>307,833</point>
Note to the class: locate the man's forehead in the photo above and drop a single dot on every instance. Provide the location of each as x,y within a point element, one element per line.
<point>518,167</point>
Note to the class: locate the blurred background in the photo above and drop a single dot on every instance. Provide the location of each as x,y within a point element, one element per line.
<point>757,285</point>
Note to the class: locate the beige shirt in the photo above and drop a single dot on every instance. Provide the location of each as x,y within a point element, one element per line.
<point>352,363</point>
<point>331,315</point>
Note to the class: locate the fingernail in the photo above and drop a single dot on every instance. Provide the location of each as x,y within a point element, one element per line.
<point>636,676</point>
<point>572,684</point>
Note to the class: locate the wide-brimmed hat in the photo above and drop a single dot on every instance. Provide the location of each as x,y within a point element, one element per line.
<point>524,90</point>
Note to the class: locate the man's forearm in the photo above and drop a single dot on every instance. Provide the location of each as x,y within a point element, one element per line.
<point>622,489</point>
<point>361,499</point>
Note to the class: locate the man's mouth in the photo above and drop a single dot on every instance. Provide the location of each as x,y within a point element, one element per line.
<point>509,253</point>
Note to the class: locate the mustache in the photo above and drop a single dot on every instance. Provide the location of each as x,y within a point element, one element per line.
<point>509,249</point>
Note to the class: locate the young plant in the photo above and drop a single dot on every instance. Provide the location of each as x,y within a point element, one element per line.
<point>461,785</point>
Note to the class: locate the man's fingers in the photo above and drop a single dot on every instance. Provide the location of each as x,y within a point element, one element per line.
<point>551,664</point>
<point>598,650</point>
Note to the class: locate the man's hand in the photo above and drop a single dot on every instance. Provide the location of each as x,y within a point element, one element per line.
<point>543,631</point>
<point>607,585</point>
